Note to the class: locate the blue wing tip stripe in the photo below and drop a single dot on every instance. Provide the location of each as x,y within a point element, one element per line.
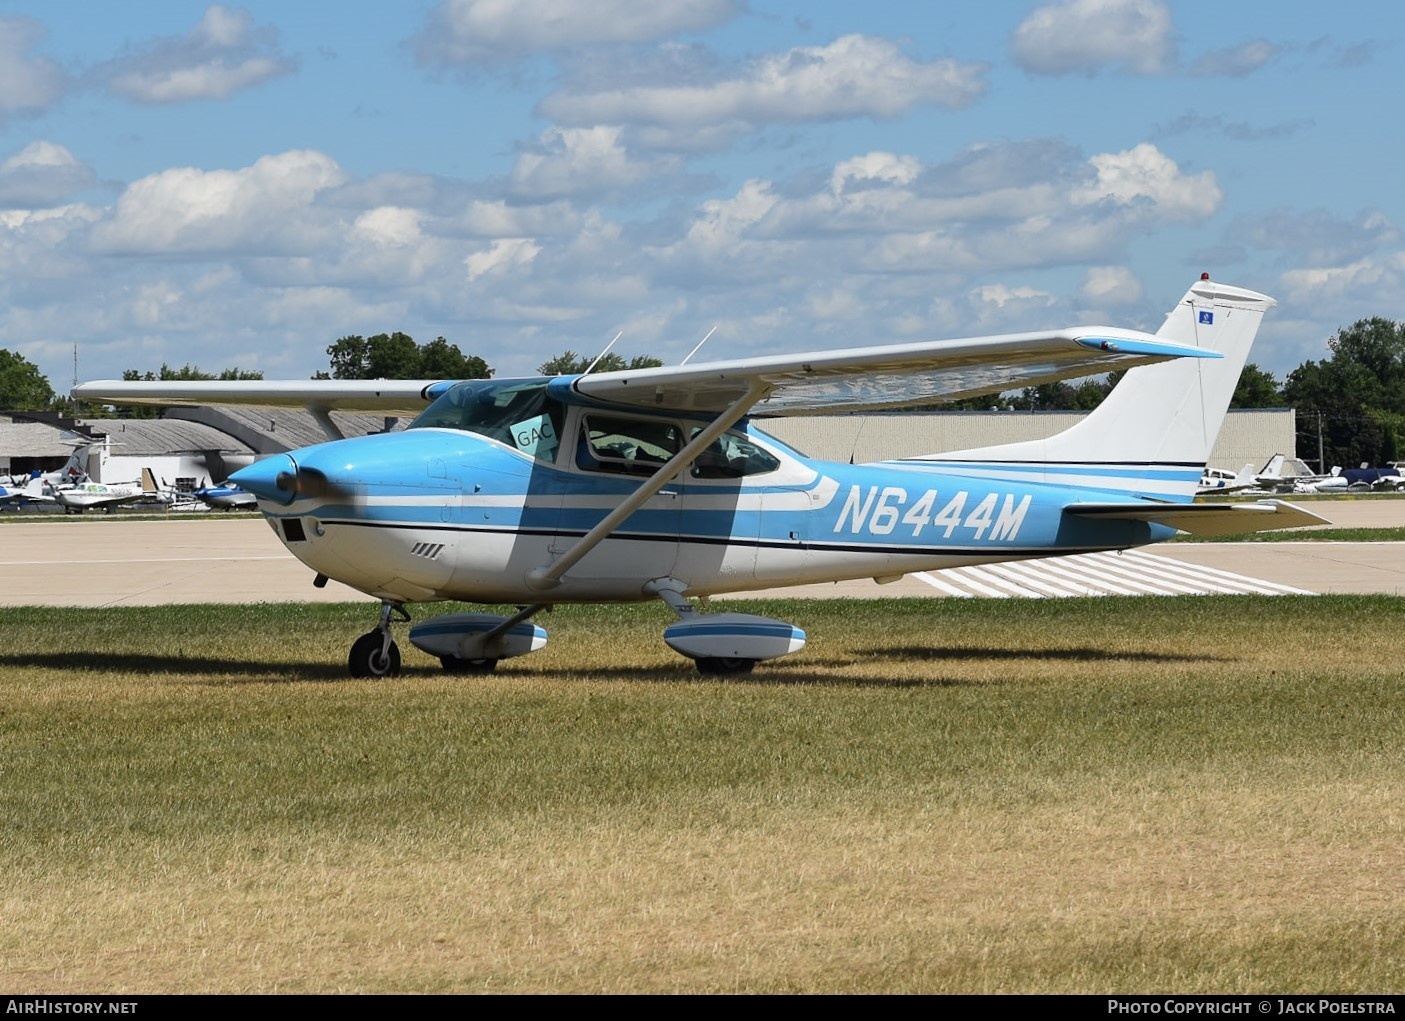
<point>1128,346</point>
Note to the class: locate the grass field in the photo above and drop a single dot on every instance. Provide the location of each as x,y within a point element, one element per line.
<point>957,796</point>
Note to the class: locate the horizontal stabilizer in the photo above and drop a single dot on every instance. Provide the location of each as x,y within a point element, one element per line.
<point>1205,518</point>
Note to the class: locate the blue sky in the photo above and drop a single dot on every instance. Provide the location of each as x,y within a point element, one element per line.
<point>242,184</point>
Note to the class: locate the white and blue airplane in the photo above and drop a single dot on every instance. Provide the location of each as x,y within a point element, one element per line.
<point>226,496</point>
<point>659,484</point>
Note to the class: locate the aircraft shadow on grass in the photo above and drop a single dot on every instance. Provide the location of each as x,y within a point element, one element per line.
<point>215,672</point>
<point>1079,655</point>
<point>194,667</point>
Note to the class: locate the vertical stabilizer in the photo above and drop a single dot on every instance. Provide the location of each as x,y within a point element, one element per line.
<point>1152,435</point>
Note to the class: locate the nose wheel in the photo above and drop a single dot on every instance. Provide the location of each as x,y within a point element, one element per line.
<point>375,653</point>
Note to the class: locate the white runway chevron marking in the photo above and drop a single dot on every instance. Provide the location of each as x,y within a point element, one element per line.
<point>1096,574</point>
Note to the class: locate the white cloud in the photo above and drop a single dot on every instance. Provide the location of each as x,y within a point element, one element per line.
<point>1373,282</point>
<point>1144,174</point>
<point>854,76</point>
<point>724,222</point>
<point>42,174</point>
<point>389,227</point>
<point>1088,35</point>
<point>893,214</point>
<point>1001,308</point>
<point>581,161</point>
<point>1236,60</point>
<point>1110,285</point>
<point>38,254</point>
<point>502,256</point>
<point>263,209</point>
<point>490,31</point>
<point>874,166</point>
<point>28,84</point>
<point>483,218</point>
<point>873,240</point>
<point>1316,237</point>
<point>1000,295</point>
<point>222,55</point>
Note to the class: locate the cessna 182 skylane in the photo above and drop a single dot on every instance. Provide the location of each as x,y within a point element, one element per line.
<point>659,484</point>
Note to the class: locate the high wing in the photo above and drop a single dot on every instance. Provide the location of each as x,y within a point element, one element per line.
<point>379,396</point>
<point>852,379</point>
<point>893,376</point>
<point>320,397</point>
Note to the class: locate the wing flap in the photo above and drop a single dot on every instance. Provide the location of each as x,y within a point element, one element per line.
<point>1208,519</point>
<point>893,376</point>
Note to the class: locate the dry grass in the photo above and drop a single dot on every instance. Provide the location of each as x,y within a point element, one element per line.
<point>1117,795</point>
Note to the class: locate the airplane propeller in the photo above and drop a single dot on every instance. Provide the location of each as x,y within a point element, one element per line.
<point>310,483</point>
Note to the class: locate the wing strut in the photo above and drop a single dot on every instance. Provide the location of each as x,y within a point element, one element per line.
<point>549,576</point>
<point>324,419</point>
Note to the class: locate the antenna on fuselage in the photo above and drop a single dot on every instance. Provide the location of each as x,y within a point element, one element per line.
<point>699,344</point>
<point>602,354</point>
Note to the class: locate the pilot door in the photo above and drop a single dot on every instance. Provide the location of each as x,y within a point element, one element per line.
<point>610,457</point>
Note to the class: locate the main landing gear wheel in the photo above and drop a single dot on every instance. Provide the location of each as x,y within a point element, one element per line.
<point>719,666</point>
<point>454,665</point>
<point>370,658</point>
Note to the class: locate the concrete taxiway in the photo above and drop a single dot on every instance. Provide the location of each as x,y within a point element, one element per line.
<point>112,561</point>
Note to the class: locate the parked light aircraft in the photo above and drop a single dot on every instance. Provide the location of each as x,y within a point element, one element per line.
<point>1366,478</point>
<point>108,496</point>
<point>1222,481</point>
<point>226,496</point>
<point>1283,474</point>
<point>1353,480</point>
<point>659,484</point>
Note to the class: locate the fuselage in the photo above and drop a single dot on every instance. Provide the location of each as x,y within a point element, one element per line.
<point>225,497</point>
<point>440,512</point>
<point>86,495</point>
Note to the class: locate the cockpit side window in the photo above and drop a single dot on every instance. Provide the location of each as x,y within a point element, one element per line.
<point>630,446</point>
<point>517,412</point>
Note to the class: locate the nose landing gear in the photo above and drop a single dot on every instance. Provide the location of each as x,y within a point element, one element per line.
<point>375,653</point>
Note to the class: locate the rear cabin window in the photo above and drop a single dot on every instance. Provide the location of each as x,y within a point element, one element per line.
<point>731,456</point>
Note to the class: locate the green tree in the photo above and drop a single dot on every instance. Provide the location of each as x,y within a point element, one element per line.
<point>22,386</point>
<point>1061,395</point>
<point>1378,346</point>
<point>166,373</point>
<point>397,356</point>
<point>1334,401</point>
<point>985,402</point>
<point>1352,403</point>
<point>392,356</point>
<point>188,372</point>
<point>1256,389</point>
<point>348,355</point>
<point>441,360</point>
<point>568,363</point>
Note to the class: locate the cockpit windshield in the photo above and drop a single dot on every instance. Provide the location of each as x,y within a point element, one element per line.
<point>517,412</point>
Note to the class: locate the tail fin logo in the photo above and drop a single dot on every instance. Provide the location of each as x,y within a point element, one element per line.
<point>1207,318</point>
